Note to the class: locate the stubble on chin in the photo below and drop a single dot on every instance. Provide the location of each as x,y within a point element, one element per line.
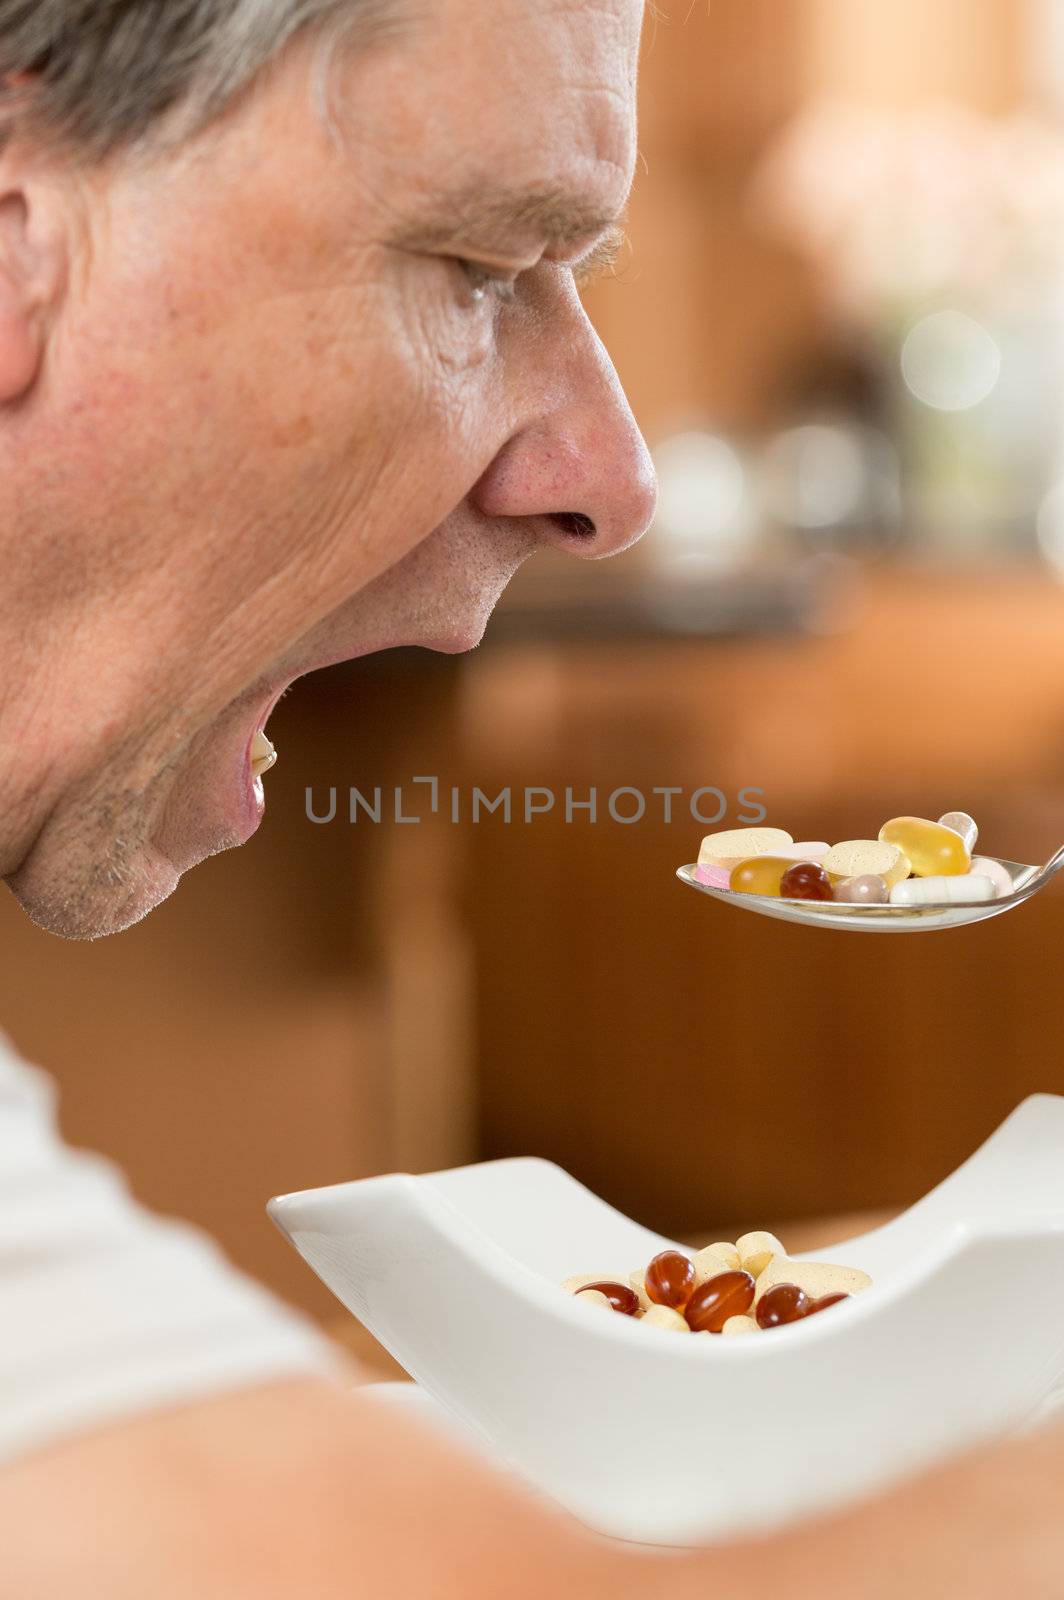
<point>93,871</point>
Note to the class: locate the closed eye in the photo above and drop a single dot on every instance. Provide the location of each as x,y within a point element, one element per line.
<point>483,282</point>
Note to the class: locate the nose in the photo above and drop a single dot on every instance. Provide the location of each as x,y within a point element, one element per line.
<point>578,464</point>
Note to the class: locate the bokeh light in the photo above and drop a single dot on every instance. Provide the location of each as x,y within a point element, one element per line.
<point>815,476</point>
<point>703,509</point>
<point>1051,527</point>
<point>949,361</point>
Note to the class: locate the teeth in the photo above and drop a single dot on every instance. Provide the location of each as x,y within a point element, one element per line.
<point>263,754</point>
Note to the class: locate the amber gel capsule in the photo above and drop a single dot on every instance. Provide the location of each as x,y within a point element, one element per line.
<point>932,850</point>
<point>784,1302</point>
<point>669,1279</point>
<point>822,1304</point>
<point>728,1294</point>
<point>619,1295</point>
<point>759,875</point>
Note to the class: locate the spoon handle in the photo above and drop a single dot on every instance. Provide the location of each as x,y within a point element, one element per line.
<point>1054,864</point>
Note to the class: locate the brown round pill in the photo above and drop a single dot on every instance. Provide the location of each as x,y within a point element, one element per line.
<point>728,1294</point>
<point>783,1303</point>
<point>670,1279</point>
<point>619,1295</point>
<point>806,880</point>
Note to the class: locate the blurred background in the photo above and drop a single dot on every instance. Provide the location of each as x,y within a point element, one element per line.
<point>841,325</point>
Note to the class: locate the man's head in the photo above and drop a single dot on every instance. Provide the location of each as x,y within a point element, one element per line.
<point>292,368</point>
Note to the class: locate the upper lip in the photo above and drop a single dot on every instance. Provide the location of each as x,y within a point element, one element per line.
<point>450,643</point>
<point>456,640</point>
<point>331,658</point>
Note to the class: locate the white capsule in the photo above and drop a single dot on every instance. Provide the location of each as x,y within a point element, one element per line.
<point>966,888</point>
<point>987,867</point>
<point>665,1317</point>
<point>963,824</point>
<point>736,1325</point>
<point>714,1259</point>
<point>756,1251</point>
<point>815,1277</point>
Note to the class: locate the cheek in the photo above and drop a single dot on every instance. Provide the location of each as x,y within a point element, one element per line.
<point>374,386</point>
<point>268,458</point>
<point>452,333</point>
<point>326,430</point>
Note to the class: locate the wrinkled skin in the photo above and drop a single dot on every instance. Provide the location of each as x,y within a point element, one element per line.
<point>258,414</point>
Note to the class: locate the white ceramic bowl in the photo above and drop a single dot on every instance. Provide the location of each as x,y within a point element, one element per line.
<point>669,1439</point>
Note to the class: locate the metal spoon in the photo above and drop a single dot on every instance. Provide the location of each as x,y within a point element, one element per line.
<point>1026,881</point>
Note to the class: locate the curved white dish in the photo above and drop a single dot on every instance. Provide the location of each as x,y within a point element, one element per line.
<point>663,1438</point>
<point>878,919</point>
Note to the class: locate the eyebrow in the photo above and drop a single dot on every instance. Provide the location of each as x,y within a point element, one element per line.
<point>488,212</point>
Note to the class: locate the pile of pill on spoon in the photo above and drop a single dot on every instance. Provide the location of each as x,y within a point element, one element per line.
<point>744,1287</point>
<point>913,862</point>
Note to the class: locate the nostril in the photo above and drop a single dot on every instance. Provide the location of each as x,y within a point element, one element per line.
<point>574,524</point>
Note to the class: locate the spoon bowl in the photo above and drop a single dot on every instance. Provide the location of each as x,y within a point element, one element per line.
<point>1026,881</point>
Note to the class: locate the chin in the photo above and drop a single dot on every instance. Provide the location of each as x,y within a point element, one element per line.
<point>460,642</point>
<point>96,903</point>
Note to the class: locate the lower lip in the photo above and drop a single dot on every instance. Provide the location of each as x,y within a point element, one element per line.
<point>245,807</point>
<point>258,799</point>
<point>218,805</point>
<point>254,794</point>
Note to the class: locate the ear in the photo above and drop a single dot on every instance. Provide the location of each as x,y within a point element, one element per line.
<point>30,279</point>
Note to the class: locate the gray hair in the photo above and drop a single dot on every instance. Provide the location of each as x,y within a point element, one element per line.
<point>100,74</point>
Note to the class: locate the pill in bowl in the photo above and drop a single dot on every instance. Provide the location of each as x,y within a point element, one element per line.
<point>728,1289</point>
<point>913,861</point>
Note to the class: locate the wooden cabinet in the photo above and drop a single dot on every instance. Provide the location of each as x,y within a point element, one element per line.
<point>693,1063</point>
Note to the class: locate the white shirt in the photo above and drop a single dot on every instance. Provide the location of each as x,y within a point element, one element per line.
<point>106,1310</point>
